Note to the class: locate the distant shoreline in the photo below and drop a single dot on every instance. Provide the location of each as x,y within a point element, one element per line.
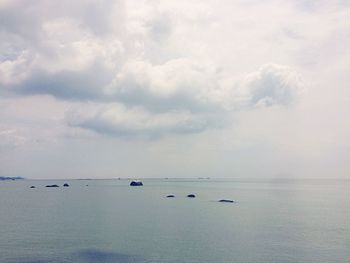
<point>170,179</point>
<point>6,178</point>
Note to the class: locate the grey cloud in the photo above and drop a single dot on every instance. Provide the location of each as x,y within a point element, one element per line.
<point>161,27</point>
<point>25,18</point>
<point>319,6</point>
<point>68,84</point>
<point>77,52</point>
<point>152,104</point>
<point>108,127</point>
<point>157,88</point>
<point>178,84</point>
<point>117,120</point>
<point>273,85</point>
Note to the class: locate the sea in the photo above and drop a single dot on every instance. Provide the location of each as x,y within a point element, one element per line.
<point>108,221</point>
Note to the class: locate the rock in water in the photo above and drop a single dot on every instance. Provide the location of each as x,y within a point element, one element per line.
<point>32,186</point>
<point>170,196</point>
<point>226,201</point>
<point>52,185</point>
<point>191,196</point>
<point>66,185</point>
<point>136,183</point>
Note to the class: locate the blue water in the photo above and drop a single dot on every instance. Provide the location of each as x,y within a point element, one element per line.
<point>109,221</point>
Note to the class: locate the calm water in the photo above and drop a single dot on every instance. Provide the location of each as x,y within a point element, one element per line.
<point>108,221</point>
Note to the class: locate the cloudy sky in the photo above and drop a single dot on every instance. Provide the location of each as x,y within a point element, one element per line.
<point>144,88</point>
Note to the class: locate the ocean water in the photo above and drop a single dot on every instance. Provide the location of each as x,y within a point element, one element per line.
<point>109,221</point>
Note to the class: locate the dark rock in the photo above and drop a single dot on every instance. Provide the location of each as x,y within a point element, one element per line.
<point>66,185</point>
<point>52,185</point>
<point>226,201</point>
<point>191,196</point>
<point>170,196</point>
<point>136,183</point>
<point>32,186</point>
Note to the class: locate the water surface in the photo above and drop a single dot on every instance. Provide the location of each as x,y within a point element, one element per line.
<point>109,221</point>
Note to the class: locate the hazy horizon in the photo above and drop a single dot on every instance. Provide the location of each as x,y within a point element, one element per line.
<point>155,89</point>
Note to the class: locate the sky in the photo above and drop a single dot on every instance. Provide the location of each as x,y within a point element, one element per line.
<point>144,88</point>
